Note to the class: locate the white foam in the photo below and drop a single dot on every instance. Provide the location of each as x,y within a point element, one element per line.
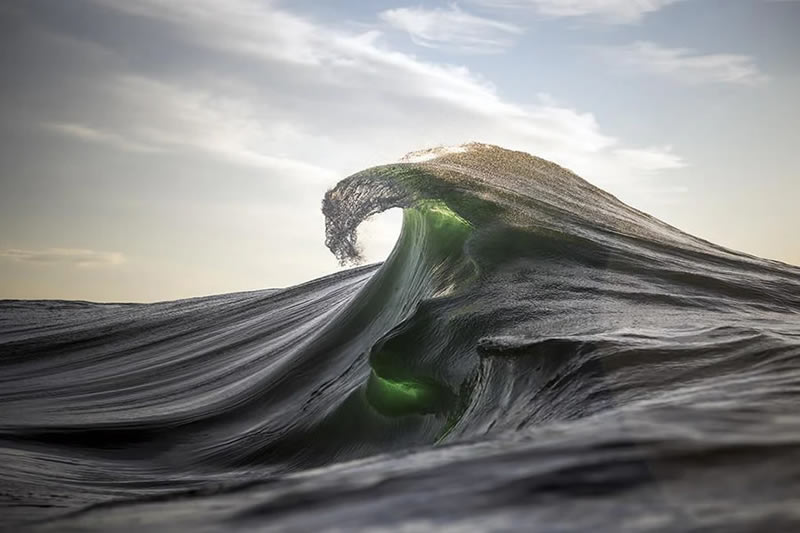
<point>432,153</point>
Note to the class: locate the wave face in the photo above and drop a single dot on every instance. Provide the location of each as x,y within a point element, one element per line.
<point>534,354</point>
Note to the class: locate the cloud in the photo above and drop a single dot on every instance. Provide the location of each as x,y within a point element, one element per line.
<point>92,135</point>
<point>688,66</point>
<point>651,159</point>
<point>452,28</point>
<point>288,88</point>
<point>68,256</point>
<point>248,84</point>
<point>611,11</point>
<point>168,118</point>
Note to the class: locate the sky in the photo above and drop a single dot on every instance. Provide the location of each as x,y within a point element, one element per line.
<point>161,149</point>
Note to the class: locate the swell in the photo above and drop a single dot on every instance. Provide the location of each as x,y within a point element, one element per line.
<point>517,297</point>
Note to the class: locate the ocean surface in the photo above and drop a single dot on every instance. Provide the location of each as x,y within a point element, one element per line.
<point>534,355</point>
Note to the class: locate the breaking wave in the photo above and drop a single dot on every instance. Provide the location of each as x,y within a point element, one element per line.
<point>533,351</point>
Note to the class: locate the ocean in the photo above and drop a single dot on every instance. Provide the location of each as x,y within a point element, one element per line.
<point>534,355</point>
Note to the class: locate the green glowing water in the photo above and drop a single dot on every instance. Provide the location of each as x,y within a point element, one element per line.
<point>395,398</point>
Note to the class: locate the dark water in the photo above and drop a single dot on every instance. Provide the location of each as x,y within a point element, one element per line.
<point>534,355</point>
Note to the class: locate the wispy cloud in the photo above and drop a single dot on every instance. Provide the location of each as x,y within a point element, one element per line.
<point>452,28</point>
<point>611,11</point>
<point>277,91</point>
<point>93,135</point>
<point>358,79</point>
<point>168,118</point>
<point>67,256</point>
<point>650,159</point>
<point>688,66</point>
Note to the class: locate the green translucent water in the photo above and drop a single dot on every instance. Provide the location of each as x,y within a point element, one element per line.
<point>433,235</point>
<point>396,398</point>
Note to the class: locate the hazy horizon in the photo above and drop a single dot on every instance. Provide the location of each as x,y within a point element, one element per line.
<point>156,150</point>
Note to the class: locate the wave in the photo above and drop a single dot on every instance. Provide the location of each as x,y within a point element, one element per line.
<point>532,347</point>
